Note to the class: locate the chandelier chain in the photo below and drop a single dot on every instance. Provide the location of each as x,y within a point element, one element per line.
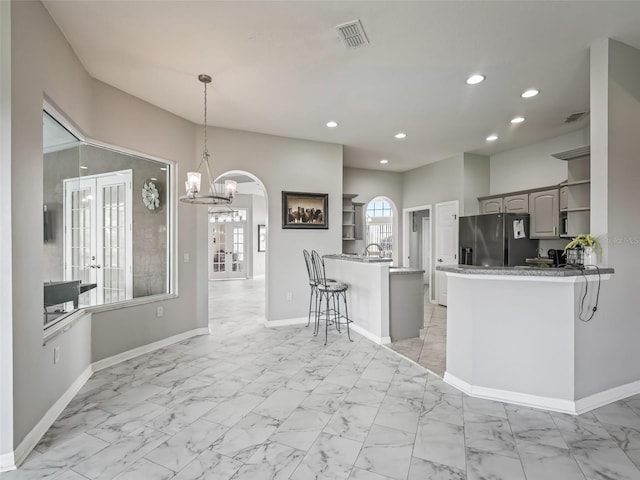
<point>206,151</point>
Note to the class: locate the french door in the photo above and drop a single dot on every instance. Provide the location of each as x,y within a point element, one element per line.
<point>98,244</point>
<point>227,245</point>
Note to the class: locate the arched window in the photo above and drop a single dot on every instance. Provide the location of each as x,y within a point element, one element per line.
<point>380,224</point>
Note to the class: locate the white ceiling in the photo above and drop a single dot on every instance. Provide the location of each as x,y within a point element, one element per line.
<point>279,67</point>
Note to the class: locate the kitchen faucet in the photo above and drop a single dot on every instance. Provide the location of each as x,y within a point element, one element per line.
<point>366,249</point>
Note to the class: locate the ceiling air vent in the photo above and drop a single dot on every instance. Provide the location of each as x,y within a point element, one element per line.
<point>574,117</point>
<point>352,34</point>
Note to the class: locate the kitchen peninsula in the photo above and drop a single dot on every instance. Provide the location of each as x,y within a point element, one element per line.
<point>385,302</point>
<point>517,334</point>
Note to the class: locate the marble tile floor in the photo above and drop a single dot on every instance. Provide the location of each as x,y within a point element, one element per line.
<point>429,349</point>
<point>249,402</point>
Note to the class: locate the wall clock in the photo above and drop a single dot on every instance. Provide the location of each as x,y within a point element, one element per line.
<point>150,196</point>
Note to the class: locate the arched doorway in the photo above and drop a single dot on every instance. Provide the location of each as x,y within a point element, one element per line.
<point>237,251</point>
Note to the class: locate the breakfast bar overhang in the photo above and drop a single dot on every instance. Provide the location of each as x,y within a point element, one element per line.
<point>517,334</point>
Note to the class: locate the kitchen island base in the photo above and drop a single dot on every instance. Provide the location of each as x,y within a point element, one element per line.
<point>518,338</point>
<point>381,299</point>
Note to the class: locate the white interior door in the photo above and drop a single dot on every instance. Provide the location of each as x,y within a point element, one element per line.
<point>227,249</point>
<point>446,244</point>
<point>79,234</point>
<point>98,235</point>
<point>114,242</point>
<point>426,249</point>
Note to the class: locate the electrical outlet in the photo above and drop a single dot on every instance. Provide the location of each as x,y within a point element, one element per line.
<point>56,354</point>
<point>289,296</point>
<point>185,258</point>
<point>159,312</point>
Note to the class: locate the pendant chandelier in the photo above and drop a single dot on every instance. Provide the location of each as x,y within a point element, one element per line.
<point>217,194</point>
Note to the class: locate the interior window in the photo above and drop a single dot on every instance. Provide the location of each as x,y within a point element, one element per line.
<point>380,224</point>
<point>106,224</point>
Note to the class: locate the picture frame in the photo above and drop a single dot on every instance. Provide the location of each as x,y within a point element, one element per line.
<point>262,238</point>
<point>305,210</point>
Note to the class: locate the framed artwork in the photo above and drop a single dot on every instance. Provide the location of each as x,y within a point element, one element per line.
<point>305,210</point>
<point>262,238</point>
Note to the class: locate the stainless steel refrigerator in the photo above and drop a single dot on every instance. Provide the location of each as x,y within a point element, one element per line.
<point>498,239</point>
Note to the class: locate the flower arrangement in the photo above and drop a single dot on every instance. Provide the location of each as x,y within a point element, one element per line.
<point>584,240</point>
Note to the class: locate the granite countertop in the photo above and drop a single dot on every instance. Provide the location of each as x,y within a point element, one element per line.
<point>526,271</point>
<point>404,271</point>
<point>352,257</point>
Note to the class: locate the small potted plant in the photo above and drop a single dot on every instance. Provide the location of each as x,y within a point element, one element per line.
<point>588,244</point>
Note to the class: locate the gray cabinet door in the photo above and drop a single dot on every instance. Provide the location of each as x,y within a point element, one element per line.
<point>491,205</point>
<point>517,203</point>
<point>545,214</point>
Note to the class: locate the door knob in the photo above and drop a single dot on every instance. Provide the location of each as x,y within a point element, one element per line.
<point>440,260</point>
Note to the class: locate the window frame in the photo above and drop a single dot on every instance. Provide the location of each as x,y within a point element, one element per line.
<point>56,327</point>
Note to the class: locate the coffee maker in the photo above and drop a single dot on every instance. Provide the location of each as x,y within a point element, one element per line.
<point>558,257</point>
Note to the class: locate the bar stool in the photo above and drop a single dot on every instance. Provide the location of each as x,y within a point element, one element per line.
<point>313,284</point>
<point>331,292</point>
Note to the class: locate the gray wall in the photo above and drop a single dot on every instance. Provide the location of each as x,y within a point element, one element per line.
<point>38,51</point>
<point>56,167</point>
<point>475,182</point>
<point>434,183</point>
<point>259,218</point>
<point>607,353</point>
<point>6,248</point>
<point>533,166</point>
<point>290,165</point>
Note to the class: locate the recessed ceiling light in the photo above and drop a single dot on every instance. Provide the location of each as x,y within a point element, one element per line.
<point>384,161</point>
<point>492,138</point>
<point>83,167</point>
<point>332,124</point>
<point>164,169</point>
<point>530,93</point>
<point>475,79</point>
<point>400,135</point>
<point>153,179</point>
<point>517,120</point>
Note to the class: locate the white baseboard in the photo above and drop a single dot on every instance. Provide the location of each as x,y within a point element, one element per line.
<point>577,407</point>
<point>37,432</point>
<point>524,399</point>
<point>608,396</point>
<point>10,461</point>
<point>286,322</point>
<point>367,334</point>
<point>7,462</point>
<point>150,347</point>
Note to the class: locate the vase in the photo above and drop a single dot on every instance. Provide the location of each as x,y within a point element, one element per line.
<point>590,259</point>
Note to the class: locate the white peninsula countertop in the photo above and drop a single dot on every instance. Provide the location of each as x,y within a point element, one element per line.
<point>520,334</point>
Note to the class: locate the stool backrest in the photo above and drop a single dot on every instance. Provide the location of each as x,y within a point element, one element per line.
<point>310,270</point>
<point>318,267</point>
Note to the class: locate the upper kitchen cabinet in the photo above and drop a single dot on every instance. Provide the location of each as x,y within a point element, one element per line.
<point>544,214</point>
<point>575,193</point>
<point>491,205</point>
<point>516,203</point>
